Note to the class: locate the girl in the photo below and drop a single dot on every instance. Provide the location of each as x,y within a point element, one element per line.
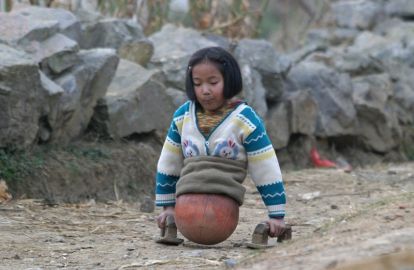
<point>213,127</point>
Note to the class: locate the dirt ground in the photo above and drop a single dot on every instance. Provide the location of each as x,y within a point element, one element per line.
<point>337,218</point>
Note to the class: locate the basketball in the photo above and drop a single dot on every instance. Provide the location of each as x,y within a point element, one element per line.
<point>206,219</point>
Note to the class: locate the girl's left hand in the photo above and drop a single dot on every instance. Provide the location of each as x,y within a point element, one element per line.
<point>277,226</point>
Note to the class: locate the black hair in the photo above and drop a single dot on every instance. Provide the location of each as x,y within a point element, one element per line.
<point>226,64</point>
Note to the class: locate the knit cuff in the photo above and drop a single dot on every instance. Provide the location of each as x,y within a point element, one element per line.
<point>165,204</point>
<point>277,217</point>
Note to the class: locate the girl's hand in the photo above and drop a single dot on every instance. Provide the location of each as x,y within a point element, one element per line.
<point>276,226</point>
<point>168,211</point>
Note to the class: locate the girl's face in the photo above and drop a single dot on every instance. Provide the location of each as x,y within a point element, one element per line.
<point>208,86</point>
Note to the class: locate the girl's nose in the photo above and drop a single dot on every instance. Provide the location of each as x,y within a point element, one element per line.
<point>205,89</point>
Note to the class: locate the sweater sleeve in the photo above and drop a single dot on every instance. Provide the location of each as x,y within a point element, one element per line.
<point>264,167</point>
<point>170,163</point>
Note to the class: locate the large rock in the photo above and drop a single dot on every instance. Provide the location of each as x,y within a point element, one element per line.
<point>173,47</point>
<point>307,50</point>
<point>134,104</point>
<point>254,92</point>
<point>403,80</point>
<point>83,85</point>
<point>20,88</point>
<point>361,14</point>
<point>378,126</point>
<point>303,112</point>
<point>178,97</point>
<point>51,93</point>
<point>373,53</point>
<point>395,45</point>
<point>402,31</point>
<point>401,8</point>
<point>296,114</point>
<point>261,56</point>
<point>356,63</point>
<point>16,29</point>
<point>277,125</point>
<point>330,36</point>
<point>54,54</point>
<point>29,30</point>
<point>368,41</point>
<point>123,35</point>
<point>67,22</point>
<point>333,93</point>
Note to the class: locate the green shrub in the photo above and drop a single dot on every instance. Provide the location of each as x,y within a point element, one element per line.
<point>16,164</point>
<point>409,152</point>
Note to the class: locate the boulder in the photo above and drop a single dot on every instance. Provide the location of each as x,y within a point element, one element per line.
<point>51,93</point>
<point>125,36</point>
<point>400,8</point>
<point>253,90</point>
<point>262,57</point>
<point>332,92</point>
<point>19,103</point>
<point>83,85</point>
<point>277,125</point>
<point>330,36</point>
<point>378,126</point>
<point>16,29</point>
<point>357,14</point>
<point>68,24</point>
<point>134,104</point>
<point>173,47</point>
<point>54,54</point>
<point>303,112</point>
<point>178,97</point>
<point>403,80</point>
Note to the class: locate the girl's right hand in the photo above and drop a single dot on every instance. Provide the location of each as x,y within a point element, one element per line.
<point>168,211</point>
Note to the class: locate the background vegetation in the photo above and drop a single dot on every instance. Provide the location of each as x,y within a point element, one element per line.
<point>283,22</point>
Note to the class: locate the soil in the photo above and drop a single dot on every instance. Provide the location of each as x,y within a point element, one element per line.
<point>86,170</point>
<point>337,218</point>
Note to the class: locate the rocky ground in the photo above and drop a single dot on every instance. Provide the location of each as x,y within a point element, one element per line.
<point>337,218</point>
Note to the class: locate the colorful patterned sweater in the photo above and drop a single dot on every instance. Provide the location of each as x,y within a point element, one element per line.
<point>240,135</point>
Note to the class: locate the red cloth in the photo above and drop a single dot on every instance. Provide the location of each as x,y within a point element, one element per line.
<point>319,162</point>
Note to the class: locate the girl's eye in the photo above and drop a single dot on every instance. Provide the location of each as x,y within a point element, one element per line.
<point>197,84</point>
<point>213,83</point>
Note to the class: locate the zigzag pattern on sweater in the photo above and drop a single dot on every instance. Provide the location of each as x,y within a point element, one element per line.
<point>256,139</point>
<point>175,130</point>
<point>167,184</point>
<point>273,195</point>
<point>269,184</point>
<point>255,114</point>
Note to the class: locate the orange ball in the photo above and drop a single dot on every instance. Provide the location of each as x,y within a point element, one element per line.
<point>206,219</point>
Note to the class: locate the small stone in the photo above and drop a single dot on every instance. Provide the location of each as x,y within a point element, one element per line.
<point>237,244</point>
<point>147,205</point>
<point>332,264</point>
<point>333,206</point>
<point>230,263</point>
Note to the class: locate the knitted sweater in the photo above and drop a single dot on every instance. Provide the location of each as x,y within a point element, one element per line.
<point>241,135</point>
